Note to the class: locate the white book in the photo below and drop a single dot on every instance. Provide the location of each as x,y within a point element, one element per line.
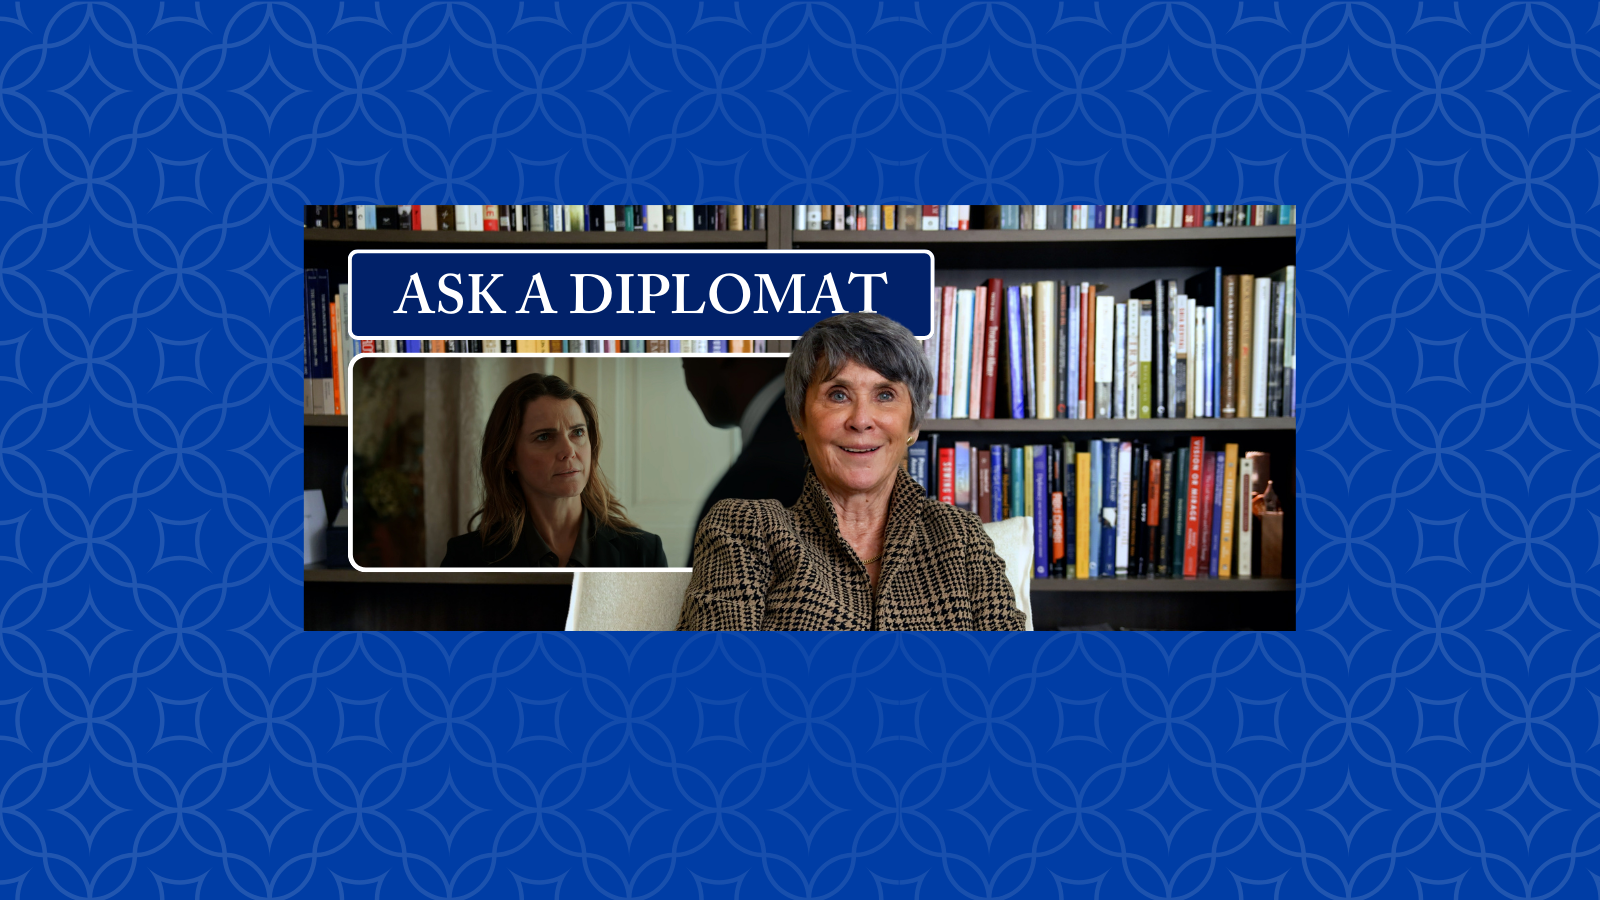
<point>1244,535</point>
<point>1119,369</point>
<point>1146,323</point>
<point>840,217</point>
<point>1180,349</point>
<point>1130,360</point>
<point>1040,216</point>
<point>874,217</point>
<point>463,218</point>
<point>1212,405</point>
<point>931,223</point>
<point>1288,341</point>
<point>1103,342</point>
<point>1258,353</point>
<point>962,380</point>
<point>685,220</point>
<point>654,218</point>
<point>948,217</point>
<point>1124,502</point>
<point>1163,216</point>
<point>799,217</point>
<point>1044,349</point>
<point>814,217</point>
<point>609,216</point>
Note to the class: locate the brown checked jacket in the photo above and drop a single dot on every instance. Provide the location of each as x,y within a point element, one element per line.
<point>759,566</point>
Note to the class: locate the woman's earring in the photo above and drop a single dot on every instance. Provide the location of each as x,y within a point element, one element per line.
<point>911,440</point>
<point>798,436</point>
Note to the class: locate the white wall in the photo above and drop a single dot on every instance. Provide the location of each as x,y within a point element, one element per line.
<point>659,453</point>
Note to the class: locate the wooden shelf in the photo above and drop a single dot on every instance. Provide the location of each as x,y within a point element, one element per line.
<point>316,421</point>
<point>1163,585</point>
<point>1108,426</point>
<point>434,576</point>
<point>626,240</point>
<point>1053,236</point>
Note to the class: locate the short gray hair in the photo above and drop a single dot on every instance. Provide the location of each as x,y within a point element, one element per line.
<point>874,341</point>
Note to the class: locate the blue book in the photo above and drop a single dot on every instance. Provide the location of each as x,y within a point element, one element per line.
<point>413,346</point>
<point>1110,496</point>
<point>1009,217</point>
<point>1014,340</point>
<point>677,347</point>
<point>997,480</point>
<point>964,474</point>
<point>1216,343</point>
<point>1069,505</point>
<point>1094,509</point>
<point>1216,514</point>
<point>1041,510</point>
<point>716,346</point>
<point>1100,216</point>
<point>916,463</point>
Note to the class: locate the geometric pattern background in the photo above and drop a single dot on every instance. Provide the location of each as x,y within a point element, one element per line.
<point>167,730</point>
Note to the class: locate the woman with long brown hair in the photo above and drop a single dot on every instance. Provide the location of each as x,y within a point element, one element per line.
<point>545,500</point>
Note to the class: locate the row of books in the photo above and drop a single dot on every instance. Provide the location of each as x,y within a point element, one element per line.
<point>1218,346</point>
<point>1111,508</point>
<point>1024,217</point>
<point>536,217</point>
<point>498,345</point>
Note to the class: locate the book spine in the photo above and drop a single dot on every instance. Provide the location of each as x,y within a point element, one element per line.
<point>1146,340</point>
<point>1192,518</point>
<point>1072,385</point>
<point>1108,496</point>
<point>947,352</point>
<point>1058,529</point>
<point>963,491</point>
<point>997,483</point>
<point>991,349</point>
<point>1041,510</point>
<point>961,381</point>
<point>1014,351</point>
<point>1081,472</point>
<point>1243,366</point>
<point>1164,540</point>
<point>1230,474</point>
<point>917,464</point>
<point>1203,501</point>
<point>930,349</point>
<point>308,339</point>
<point>947,475</point>
<point>976,343</point>
<point>1260,329</point>
<point>1104,361</point>
<point>1119,362</point>
<point>1029,385</point>
<point>1016,490</point>
<point>982,489</point>
<point>1246,519</point>
<point>1124,504</point>
<point>1214,503</point>
<point>1096,506</point>
<point>1275,348</point>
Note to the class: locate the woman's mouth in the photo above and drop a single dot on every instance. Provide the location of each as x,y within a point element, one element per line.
<point>860,451</point>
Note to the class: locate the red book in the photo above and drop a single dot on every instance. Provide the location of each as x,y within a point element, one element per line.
<point>947,352</point>
<point>369,346</point>
<point>983,489</point>
<point>491,218</point>
<point>1058,527</point>
<point>1152,504</point>
<point>1208,487</point>
<point>947,475</point>
<point>1193,216</point>
<point>991,345</point>
<point>1086,352</point>
<point>416,218</point>
<point>1191,525</point>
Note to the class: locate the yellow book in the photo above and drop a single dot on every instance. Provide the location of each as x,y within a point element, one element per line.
<point>1230,490</point>
<point>1082,500</point>
<point>526,347</point>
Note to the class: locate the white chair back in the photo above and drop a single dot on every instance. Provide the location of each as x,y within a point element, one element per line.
<point>1013,540</point>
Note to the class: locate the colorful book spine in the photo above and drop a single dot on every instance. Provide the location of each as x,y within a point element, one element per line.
<point>1192,518</point>
<point>1215,466</point>
<point>947,350</point>
<point>961,372</point>
<point>1096,503</point>
<point>1041,510</point>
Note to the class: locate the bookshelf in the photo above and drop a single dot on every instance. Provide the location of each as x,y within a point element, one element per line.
<point>1120,258</point>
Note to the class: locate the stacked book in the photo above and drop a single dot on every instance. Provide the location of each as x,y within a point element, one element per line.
<point>958,217</point>
<point>1217,345</point>
<point>523,217</point>
<point>1112,508</point>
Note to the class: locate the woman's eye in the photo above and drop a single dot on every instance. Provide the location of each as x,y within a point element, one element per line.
<point>578,432</point>
<point>886,396</point>
<point>836,395</point>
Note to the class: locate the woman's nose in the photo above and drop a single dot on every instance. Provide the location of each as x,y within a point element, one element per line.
<point>859,419</point>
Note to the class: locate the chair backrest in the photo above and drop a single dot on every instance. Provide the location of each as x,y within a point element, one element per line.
<point>1013,540</point>
<point>640,600</point>
<point>652,599</point>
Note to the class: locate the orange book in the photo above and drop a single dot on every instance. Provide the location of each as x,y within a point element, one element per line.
<point>437,346</point>
<point>337,350</point>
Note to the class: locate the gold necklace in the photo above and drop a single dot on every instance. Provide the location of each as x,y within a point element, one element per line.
<point>874,559</point>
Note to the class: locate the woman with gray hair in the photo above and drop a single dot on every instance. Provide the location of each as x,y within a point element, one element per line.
<point>863,549</point>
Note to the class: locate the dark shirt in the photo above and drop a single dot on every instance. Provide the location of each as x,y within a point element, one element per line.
<point>772,466</point>
<point>597,546</point>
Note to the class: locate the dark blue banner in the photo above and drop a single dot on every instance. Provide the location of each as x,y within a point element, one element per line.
<point>643,294</point>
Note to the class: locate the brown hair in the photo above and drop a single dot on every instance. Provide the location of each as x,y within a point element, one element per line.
<point>505,512</point>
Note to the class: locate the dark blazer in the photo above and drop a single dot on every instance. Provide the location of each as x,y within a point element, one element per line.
<point>607,548</point>
<point>771,467</point>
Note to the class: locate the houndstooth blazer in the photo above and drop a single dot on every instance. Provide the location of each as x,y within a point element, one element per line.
<point>759,566</point>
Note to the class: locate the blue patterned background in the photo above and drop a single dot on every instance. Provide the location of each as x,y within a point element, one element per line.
<point>166,729</point>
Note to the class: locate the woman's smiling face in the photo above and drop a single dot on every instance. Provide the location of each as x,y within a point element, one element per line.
<point>553,449</point>
<point>856,429</point>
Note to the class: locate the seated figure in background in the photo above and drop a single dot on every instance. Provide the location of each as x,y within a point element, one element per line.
<point>545,501</point>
